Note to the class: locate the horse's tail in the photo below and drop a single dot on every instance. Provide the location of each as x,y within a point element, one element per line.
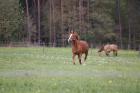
<point>86,54</point>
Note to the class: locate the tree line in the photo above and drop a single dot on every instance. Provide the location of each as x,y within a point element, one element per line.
<point>49,21</point>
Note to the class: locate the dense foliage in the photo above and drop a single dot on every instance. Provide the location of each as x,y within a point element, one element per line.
<point>11,21</point>
<point>97,21</point>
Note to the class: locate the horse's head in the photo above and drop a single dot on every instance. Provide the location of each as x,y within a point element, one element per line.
<point>73,36</point>
<point>101,49</point>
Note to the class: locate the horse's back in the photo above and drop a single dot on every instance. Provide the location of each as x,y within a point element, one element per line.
<point>84,45</point>
<point>107,47</point>
<point>110,47</point>
<point>114,47</point>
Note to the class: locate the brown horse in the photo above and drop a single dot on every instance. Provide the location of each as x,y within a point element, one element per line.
<point>108,48</point>
<point>79,47</point>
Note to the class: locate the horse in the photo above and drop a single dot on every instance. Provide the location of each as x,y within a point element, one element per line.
<point>108,48</point>
<point>79,47</point>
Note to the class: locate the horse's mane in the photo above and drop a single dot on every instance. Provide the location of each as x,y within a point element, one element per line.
<point>77,36</point>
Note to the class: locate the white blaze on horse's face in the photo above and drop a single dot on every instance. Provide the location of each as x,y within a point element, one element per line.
<point>69,37</point>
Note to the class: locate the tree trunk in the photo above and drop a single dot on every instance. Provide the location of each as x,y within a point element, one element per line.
<point>38,8</point>
<point>28,29</point>
<point>88,7</point>
<point>129,40</point>
<point>50,26</point>
<point>119,19</point>
<point>88,15</point>
<point>80,16</point>
<point>34,3</point>
<point>62,32</point>
<point>129,25</point>
<point>53,18</point>
<point>134,39</point>
<point>73,13</point>
<point>120,25</point>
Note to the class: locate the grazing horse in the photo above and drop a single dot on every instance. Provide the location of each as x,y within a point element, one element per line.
<point>79,47</point>
<point>108,48</point>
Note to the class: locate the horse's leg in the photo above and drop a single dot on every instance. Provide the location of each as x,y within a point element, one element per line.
<point>79,57</point>
<point>116,53</point>
<point>107,53</point>
<point>86,53</point>
<point>73,57</point>
<point>113,53</point>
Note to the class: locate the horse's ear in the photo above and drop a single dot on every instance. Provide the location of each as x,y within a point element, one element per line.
<point>77,36</point>
<point>76,33</point>
<point>72,31</point>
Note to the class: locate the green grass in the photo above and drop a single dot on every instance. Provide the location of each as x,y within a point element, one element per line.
<point>50,70</point>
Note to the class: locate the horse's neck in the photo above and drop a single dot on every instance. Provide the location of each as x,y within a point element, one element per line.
<point>75,44</point>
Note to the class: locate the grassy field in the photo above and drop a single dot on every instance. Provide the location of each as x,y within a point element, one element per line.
<point>50,70</point>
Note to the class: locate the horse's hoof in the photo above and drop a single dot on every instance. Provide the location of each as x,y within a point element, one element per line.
<point>83,64</point>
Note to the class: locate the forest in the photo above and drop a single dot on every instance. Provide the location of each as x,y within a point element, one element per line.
<point>48,22</point>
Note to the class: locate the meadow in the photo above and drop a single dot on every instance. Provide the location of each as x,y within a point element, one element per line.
<point>50,70</point>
